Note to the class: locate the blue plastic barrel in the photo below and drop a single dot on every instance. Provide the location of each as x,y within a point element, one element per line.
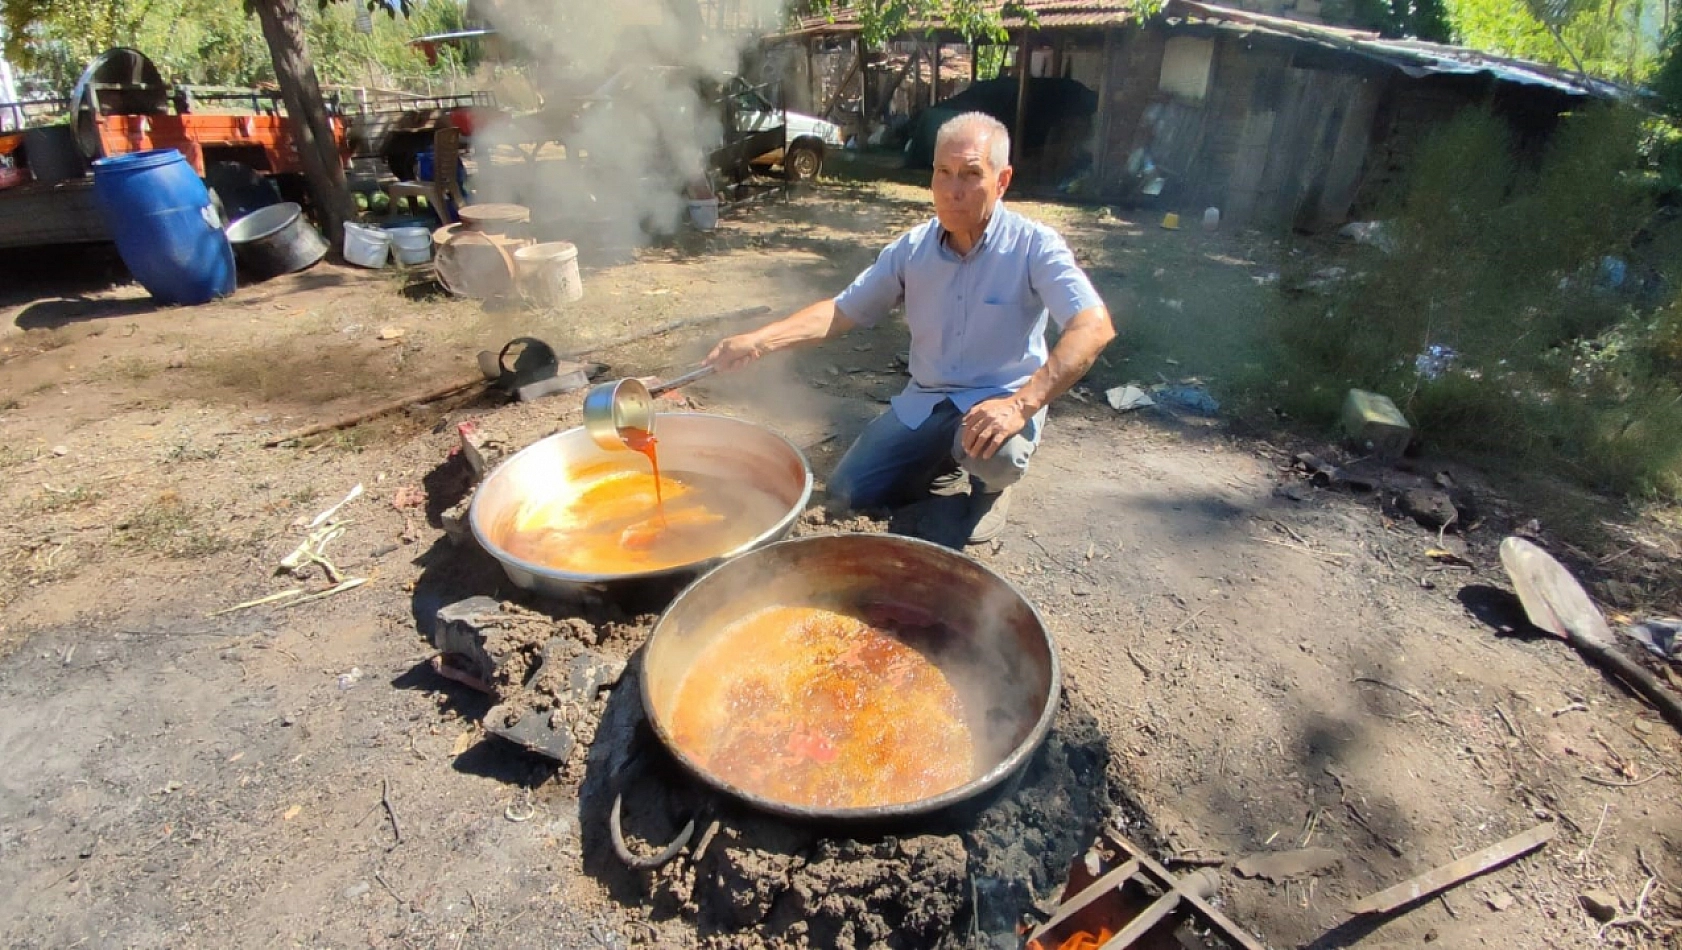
<point>167,231</point>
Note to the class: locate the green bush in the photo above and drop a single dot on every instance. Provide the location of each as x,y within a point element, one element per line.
<point>1498,255</point>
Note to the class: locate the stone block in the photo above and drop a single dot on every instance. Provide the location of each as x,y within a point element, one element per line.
<point>454,522</point>
<point>460,630</point>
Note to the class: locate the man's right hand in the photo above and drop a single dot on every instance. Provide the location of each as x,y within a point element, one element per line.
<point>808,325</point>
<point>734,352</point>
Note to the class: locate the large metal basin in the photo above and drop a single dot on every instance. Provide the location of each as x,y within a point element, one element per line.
<point>1000,658</point>
<point>749,455</point>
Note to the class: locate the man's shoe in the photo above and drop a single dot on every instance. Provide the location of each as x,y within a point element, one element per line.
<point>951,480</point>
<point>988,512</point>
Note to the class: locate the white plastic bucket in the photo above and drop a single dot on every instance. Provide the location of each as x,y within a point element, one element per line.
<point>411,245</point>
<point>366,246</point>
<point>548,274</point>
<point>704,213</point>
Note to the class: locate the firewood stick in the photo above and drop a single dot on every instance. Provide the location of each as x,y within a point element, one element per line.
<point>357,418</point>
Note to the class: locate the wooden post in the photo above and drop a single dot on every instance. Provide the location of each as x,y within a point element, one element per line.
<point>916,97</point>
<point>974,63</point>
<point>866,100</point>
<point>1101,135</point>
<point>813,87</point>
<point>1022,69</point>
<point>939,53</point>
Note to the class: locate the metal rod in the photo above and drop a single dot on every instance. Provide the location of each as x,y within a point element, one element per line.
<point>683,380</point>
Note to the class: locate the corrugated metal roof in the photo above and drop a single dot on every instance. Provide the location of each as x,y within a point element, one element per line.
<point>1413,57</point>
<point>1050,14</point>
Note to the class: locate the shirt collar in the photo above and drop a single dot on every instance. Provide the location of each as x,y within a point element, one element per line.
<point>986,233</point>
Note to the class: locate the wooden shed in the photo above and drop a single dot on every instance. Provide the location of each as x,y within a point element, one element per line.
<point>1277,121</point>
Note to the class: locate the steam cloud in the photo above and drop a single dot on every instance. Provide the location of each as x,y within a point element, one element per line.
<point>616,77</point>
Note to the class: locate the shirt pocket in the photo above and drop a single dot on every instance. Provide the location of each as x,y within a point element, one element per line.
<point>1008,310</point>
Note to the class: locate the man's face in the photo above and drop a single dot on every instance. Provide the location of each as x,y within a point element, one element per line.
<point>966,185</point>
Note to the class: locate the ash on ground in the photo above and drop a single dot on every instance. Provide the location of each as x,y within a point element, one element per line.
<point>551,676</point>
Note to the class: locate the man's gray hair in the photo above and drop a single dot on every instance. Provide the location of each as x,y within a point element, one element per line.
<point>978,124</point>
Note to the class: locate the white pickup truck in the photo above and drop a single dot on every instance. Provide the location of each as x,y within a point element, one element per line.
<point>805,138</point>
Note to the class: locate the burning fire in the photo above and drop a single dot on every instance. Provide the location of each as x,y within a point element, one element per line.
<point>1082,940</point>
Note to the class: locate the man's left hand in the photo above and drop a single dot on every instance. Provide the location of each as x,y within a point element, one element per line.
<point>990,424</point>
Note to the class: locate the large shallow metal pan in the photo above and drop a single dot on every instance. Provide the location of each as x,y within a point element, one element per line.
<point>749,455</point>
<point>1001,660</point>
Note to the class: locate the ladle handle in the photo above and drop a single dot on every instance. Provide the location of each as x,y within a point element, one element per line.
<point>683,380</point>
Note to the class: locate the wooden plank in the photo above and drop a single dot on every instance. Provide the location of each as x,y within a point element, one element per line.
<point>1244,184</point>
<point>1349,157</point>
<point>1455,872</point>
<point>1298,108</point>
<point>1088,896</point>
<point>1101,136</point>
<point>1317,141</point>
<point>1021,124</point>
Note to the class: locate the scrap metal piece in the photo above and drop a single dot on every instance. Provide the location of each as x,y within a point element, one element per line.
<point>1448,875</point>
<point>1279,866</point>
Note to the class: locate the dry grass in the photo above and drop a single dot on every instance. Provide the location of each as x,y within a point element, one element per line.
<point>186,452</point>
<point>43,341</point>
<point>11,456</point>
<point>54,500</point>
<point>311,371</point>
<point>170,527</point>
<point>132,369</point>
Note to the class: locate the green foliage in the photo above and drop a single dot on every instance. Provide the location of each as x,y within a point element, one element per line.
<point>1497,255</point>
<point>1616,39</point>
<point>882,20</point>
<point>1417,19</point>
<point>1666,81</point>
<point>217,42</point>
<point>47,38</point>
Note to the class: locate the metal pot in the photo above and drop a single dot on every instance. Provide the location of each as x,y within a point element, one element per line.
<point>706,444</point>
<point>276,240</point>
<point>1000,659</point>
<point>619,410</point>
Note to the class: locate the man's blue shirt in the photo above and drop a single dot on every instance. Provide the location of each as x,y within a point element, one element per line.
<point>978,320</point>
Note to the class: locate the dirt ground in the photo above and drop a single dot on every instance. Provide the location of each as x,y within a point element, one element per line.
<point>1273,665</point>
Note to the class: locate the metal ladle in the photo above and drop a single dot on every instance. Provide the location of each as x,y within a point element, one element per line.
<point>616,410</point>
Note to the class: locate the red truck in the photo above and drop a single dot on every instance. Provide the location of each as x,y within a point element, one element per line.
<point>239,141</point>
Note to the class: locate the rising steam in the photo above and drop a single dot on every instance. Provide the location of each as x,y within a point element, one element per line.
<point>618,82</point>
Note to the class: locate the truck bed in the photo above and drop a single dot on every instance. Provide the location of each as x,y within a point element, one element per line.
<point>43,213</point>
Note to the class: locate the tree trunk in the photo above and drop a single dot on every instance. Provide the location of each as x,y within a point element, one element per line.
<point>283,28</point>
<point>1023,67</point>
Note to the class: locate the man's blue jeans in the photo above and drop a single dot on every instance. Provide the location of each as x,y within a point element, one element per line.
<point>891,463</point>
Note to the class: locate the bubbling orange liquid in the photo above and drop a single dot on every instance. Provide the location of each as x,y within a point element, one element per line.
<point>812,707</point>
